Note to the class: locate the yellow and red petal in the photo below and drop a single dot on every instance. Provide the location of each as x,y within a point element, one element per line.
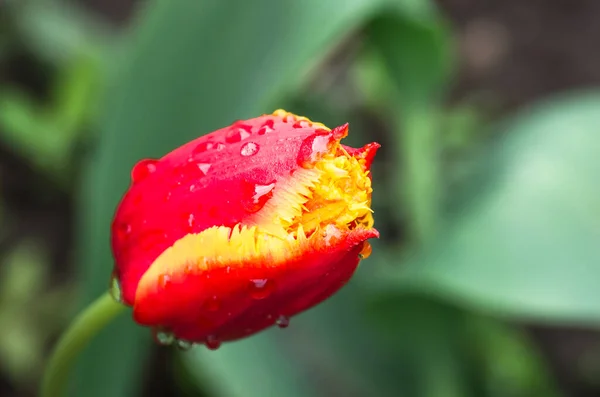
<point>275,199</point>
<point>222,285</point>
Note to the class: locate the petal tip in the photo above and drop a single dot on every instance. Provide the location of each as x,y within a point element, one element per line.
<point>340,132</point>
<point>367,153</point>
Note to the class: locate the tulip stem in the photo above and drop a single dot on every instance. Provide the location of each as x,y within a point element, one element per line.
<point>83,328</point>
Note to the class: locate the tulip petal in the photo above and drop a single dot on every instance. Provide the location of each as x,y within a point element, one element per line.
<point>207,284</point>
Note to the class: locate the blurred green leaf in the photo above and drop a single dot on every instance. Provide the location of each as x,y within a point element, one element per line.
<point>57,31</point>
<point>525,243</point>
<point>417,53</point>
<point>45,133</point>
<point>509,362</point>
<point>456,352</point>
<point>418,56</point>
<point>26,129</point>
<point>193,67</point>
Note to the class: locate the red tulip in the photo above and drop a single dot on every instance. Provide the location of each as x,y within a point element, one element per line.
<point>242,228</point>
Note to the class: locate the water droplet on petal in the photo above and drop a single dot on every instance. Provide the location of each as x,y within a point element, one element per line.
<point>266,127</point>
<point>212,304</point>
<point>115,288</point>
<point>261,288</point>
<point>202,147</point>
<point>164,280</point>
<point>162,336</point>
<point>249,149</point>
<point>301,124</point>
<point>282,322</point>
<point>256,196</point>
<point>123,231</point>
<point>366,251</point>
<point>204,167</point>
<point>219,146</point>
<point>184,344</point>
<point>191,219</point>
<point>142,169</point>
<point>237,135</point>
<point>212,342</point>
<point>313,147</point>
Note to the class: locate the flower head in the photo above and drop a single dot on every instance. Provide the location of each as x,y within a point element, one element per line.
<point>243,228</point>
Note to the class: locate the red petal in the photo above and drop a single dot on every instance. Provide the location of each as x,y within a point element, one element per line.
<point>232,300</point>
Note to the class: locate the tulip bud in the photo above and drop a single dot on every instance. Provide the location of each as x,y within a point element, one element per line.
<point>240,229</point>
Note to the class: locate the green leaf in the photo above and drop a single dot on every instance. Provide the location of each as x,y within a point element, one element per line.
<point>57,31</point>
<point>526,241</point>
<point>29,132</point>
<point>191,67</point>
<point>455,352</point>
<point>417,54</point>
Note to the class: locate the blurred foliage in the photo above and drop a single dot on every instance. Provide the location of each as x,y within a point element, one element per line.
<point>483,224</point>
<point>46,132</point>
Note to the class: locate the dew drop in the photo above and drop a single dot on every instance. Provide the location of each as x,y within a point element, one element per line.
<point>204,167</point>
<point>257,196</point>
<point>261,288</point>
<point>184,344</point>
<point>301,124</point>
<point>191,219</point>
<point>366,251</point>
<point>219,146</point>
<point>212,304</point>
<point>237,135</point>
<point>123,231</point>
<point>282,321</point>
<point>142,169</point>
<point>202,147</point>
<point>266,127</point>
<point>162,336</point>
<point>115,288</point>
<point>249,149</point>
<point>264,130</point>
<point>212,342</point>
<point>312,148</point>
<point>164,280</point>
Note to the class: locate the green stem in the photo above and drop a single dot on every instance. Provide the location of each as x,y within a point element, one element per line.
<point>83,328</point>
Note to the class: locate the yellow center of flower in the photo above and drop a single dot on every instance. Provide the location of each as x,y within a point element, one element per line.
<point>341,196</point>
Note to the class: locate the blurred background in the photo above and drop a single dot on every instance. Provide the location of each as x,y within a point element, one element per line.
<point>485,282</point>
